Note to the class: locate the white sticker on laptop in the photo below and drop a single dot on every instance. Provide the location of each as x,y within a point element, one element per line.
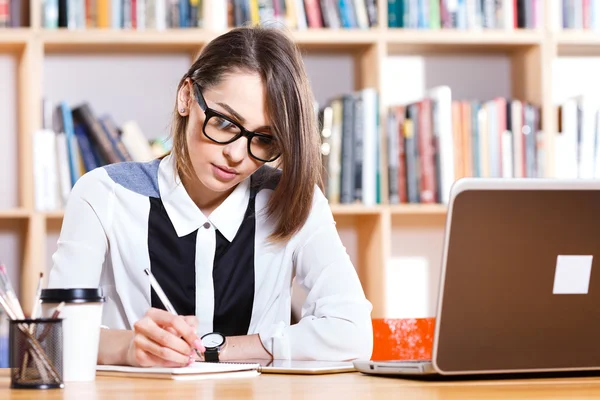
<point>572,274</point>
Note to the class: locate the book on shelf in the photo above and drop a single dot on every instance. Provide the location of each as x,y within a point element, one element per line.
<point>466,14</point>
<point>122,14</point>
<point>580,15</point>
<point>14,13</point>
<point>303,14</point>
<point>577,143</point>
<point>437,140</point>
<point>349,127</point>
<point>73,141</point>
<point>163,14</point>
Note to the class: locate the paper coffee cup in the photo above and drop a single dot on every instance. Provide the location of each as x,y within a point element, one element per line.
<point>82,317</point>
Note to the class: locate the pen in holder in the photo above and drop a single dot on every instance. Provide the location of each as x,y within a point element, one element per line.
<point>36,353</point>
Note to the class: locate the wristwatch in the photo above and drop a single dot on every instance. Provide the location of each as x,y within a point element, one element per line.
<point>214,343</point>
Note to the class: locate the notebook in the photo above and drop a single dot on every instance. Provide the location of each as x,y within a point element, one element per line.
<point>196,371</point>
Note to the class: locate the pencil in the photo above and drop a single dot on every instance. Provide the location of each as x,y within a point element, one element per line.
<point>164,299</point>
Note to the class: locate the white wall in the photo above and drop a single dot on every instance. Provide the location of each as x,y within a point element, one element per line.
<point>573,76</point>
<point>330,75</point>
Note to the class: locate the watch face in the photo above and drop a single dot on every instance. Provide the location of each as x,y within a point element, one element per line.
<point>213,340</point>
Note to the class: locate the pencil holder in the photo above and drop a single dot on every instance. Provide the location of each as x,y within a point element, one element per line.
<point>36,353</point>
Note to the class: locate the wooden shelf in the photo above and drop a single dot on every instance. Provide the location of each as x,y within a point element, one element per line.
<point>15,213</point>
<point>13,39</point>
<point>335,40</point>
<point>452,41</point>
<point>398,40</point>
<point>578,42</point>
<point>418,209</point>
<point>65,40</point>
<point>56,215</point>
<point>355,209</point>
<point>99,40</point>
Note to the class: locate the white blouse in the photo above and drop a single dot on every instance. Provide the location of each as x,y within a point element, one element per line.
<point>123,218</point>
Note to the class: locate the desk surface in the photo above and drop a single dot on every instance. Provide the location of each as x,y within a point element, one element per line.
<point>339,386</point>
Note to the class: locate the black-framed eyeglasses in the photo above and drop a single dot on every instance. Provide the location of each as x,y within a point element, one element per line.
<point>223,130</point>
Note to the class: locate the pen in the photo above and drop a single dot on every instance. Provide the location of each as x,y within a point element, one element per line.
<point>164,299</point>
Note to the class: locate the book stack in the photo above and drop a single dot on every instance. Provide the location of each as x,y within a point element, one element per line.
<point>466,14</point>
<point>303,14</point>
<point>122,14</point>
<point>437,140</point>
<point>75,141</point>
<point>14,13</point>
<point>580,14</point>
<point>350,148</point>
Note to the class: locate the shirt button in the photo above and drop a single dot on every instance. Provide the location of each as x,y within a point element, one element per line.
<point>206,225</point>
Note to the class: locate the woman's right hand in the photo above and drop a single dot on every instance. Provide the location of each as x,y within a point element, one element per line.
<point>163,339</point>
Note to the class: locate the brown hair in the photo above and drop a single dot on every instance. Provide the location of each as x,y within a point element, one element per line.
<point>271,54</point>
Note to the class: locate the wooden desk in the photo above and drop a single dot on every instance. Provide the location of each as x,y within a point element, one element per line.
<point>330,387</point>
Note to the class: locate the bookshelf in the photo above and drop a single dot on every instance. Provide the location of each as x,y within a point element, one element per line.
<point>531,54</point>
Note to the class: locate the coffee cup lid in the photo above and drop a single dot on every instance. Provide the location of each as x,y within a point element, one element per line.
<point>74,295</point>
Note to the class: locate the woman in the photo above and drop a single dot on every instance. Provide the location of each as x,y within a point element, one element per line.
<point>223,233</point>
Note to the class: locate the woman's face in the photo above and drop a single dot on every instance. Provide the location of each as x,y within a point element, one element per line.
<point>240,97</point>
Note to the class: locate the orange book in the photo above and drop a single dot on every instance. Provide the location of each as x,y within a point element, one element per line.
<point>103,13</point>
<point>402,339</point>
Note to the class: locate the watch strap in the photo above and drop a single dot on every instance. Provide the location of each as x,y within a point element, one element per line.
<point>211,355</point>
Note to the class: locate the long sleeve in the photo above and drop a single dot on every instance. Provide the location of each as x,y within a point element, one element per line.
<point>82,244</point>
<point>336,317</point>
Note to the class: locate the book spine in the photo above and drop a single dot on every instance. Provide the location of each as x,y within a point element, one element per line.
<point>426,150</point>
<point>335,155</point>
<point>358,147</point>
<point>4,13</point>
<point>401,121</point>
<point>412,158</point>
<point>84,115</point>
<point>393,158</point>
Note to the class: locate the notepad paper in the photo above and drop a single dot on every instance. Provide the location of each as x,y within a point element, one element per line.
<point>198,370</point>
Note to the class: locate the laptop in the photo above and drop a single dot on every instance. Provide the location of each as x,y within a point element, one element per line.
<point>520,281</point>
